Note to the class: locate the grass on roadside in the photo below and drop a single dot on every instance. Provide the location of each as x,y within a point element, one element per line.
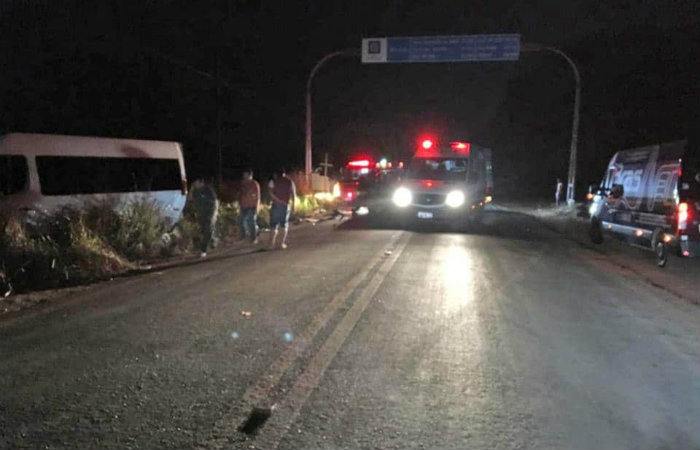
<point>103,239</point>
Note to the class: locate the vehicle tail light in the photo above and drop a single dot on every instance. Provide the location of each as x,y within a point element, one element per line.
<point>683,216</point>
<point>183,188</point>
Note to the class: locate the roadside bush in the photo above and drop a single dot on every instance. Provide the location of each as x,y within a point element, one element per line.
<point>101,240</point>
<point>25,259</point>
<point>90,255</point>
<point>264,217</point>
<point>54,250</point>
<point>328,203</point>
<point>306,206</point>
<point>135,230</point>
<point>302,184</point>
<point>141,230</point>
<point>227,221</point>
<point>184,237</point>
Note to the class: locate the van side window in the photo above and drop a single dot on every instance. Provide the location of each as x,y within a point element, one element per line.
<point>14,174</point>
<point>68,175</point>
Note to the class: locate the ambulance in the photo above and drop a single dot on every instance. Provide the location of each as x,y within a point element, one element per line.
<point>444,180</point>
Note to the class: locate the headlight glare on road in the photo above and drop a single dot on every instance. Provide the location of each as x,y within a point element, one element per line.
<point>402,197</point>
<point>455,199</point>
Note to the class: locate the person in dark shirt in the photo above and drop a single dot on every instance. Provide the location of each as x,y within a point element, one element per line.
<point>206,207</point>
<point>283,194</point>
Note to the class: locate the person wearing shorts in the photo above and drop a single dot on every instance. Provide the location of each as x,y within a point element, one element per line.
<point>283,194</point>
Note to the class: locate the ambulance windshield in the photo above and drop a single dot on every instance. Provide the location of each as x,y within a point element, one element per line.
<point>438,169</point>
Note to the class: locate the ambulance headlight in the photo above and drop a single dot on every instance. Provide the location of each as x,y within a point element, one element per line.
<point>455,199</point>
<point>402,197</point>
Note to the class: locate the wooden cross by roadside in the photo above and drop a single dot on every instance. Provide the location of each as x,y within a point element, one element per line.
<point>325,164</point>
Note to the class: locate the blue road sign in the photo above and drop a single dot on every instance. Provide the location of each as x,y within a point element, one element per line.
<point>433,49</point>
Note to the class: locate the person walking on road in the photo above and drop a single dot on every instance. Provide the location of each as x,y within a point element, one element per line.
<point>558,192</point>
<point>283,193</point>
<point>206,207</point>
<point>249,203</point>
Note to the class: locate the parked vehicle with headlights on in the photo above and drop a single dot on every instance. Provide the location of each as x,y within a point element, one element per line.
<point>445,181</point>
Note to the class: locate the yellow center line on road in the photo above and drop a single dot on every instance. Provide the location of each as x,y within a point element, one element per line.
<point>290,406</point>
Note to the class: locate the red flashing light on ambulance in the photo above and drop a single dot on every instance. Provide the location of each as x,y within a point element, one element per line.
<point>461,147</point>
<point>427,148</point>
<point>359,163</point>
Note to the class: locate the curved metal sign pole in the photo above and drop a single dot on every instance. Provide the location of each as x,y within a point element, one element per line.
<point>308,159</point>
<point>574,128</point>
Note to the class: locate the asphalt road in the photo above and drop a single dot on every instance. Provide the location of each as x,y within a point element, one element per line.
<point>507,337</point>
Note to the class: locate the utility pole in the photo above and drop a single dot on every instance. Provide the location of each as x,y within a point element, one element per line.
<point>308,166</point>
<point>220,174</point>
<point>577,106</point>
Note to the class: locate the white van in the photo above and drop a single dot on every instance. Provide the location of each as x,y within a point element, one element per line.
<point>43,172</point>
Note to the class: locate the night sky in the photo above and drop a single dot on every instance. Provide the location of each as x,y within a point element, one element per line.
<point>144,69</point>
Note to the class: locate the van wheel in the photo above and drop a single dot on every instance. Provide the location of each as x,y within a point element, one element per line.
<point>661,254</point>
<point>596,231</point>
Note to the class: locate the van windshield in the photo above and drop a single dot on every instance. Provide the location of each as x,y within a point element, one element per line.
<point>438,169</point>
<point>13,174</point>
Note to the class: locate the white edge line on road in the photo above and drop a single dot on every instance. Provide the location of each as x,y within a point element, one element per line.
<point>289,408</point>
